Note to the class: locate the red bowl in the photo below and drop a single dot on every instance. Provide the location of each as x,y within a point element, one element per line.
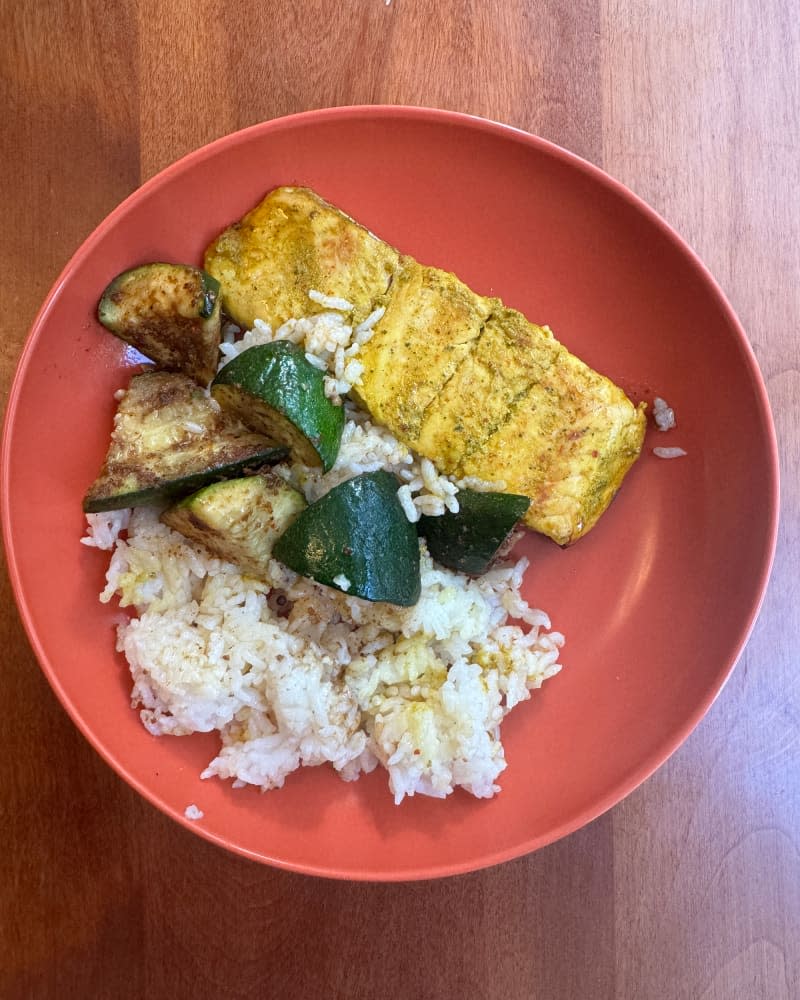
<point>656,603</point>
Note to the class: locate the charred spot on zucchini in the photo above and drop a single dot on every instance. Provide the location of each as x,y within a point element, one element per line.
<point>275,390</point>
<point>471,539</point>
<point>169,439</point>
<point>169,312</point>
<point>357,539</point>
<point>239,520</point>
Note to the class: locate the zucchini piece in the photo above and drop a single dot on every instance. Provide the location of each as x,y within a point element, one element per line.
<point>239,520</point>
<point>169,312</point>
<point>170,439</point>
<point>470,540</point>
<point>357,539</point>
<point>275,390</point>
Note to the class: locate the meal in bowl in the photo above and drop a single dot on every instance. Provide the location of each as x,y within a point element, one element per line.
<point>315,545</point>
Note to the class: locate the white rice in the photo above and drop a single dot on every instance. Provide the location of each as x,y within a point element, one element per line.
<point>339,680</point>
<point>332,678</point>
<point>669,452</point>
<point>663,414</point>
<point>192,812</point>
<point>481,485</point>
<point>103,529</point>
<point>330,301</point>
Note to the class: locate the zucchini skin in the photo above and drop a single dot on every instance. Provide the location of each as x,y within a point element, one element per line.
<point>358,531</point>
<point>276,391</point>
<point>212,298</point>
<point>184,485</point>
<point>470,540</point>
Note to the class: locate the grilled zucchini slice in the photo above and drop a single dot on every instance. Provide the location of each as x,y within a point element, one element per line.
<point>276,391</point>
<point>470,540</point>
<point>357,539</point>
<point>239,520</point>
<point>169,312</point>
<point>169,439</point>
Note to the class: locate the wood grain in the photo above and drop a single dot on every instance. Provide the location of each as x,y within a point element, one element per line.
<point>690,888</point>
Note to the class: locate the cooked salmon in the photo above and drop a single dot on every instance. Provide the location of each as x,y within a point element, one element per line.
<point>460,378</point>
<point>289,244</point>
<point>427,332</point>
<point>567,440</point>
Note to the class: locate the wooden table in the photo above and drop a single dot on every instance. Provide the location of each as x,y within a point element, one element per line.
<point>690,887</point>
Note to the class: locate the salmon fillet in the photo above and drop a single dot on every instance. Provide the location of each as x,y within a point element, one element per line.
<point>459,377</point>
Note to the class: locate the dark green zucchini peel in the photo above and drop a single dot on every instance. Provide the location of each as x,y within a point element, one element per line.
<point>357,539</point>
<point>275,390</point>
<point>470,540</point>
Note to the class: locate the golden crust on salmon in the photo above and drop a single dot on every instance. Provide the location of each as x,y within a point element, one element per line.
<point>293,242</point>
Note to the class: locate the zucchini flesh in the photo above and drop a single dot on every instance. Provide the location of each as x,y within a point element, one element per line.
<point>169,312</point>
<point>276,391</point>
<point>470,540</point>
<point>357,539</point>
<point>169,439</point>
<point>239,520</point>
